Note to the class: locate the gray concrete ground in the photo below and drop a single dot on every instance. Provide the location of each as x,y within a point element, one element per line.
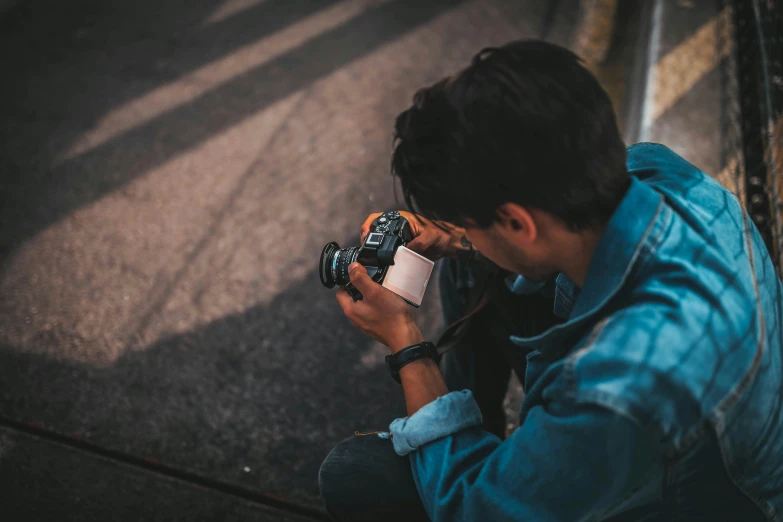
<point>170,173</point>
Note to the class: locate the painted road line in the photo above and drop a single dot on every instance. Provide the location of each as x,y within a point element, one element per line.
<point>594,34</point>
<point>689,62</point>
<point>673,75</point>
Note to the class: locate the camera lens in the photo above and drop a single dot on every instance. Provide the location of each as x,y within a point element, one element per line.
<point>333,267</point>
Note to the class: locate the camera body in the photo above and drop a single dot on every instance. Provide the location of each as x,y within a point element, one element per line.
<point>388,232</point>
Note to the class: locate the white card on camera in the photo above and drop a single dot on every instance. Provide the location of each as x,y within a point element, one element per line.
<point>409,275</point>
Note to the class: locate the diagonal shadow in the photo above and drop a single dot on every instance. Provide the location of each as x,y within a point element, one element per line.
<point>144,40</point>
<point>38,199</point>
<point>271,388</point>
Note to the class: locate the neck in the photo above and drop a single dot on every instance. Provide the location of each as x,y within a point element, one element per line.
<point>577,252</point>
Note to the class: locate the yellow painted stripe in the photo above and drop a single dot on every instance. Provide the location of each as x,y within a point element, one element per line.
<point>677,72</point>
<point>212,75</point>
<point>594,33</point>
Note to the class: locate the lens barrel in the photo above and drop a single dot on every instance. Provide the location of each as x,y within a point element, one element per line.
<point>324,265</point>
<point>333,267</point>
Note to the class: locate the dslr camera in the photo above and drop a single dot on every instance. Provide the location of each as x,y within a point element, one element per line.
<point>388,232</point>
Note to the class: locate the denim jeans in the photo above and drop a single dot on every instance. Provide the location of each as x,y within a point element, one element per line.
<point>362,478</point>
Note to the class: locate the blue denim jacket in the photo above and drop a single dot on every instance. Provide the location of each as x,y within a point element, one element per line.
<point>661,396</point>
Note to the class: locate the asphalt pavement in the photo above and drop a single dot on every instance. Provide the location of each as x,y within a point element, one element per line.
<point>169,174</point>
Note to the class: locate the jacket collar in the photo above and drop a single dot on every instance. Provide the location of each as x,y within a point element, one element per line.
<point>619,246</point>
<point>559,288</point>
<point>613,259</point>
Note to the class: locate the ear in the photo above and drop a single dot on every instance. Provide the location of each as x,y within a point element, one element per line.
<point>517,220</point>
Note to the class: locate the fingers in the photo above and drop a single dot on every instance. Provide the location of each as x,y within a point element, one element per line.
<point>346,303</point>
<point>344,298</point>
<point>426,245</point>
<point>419,244</point>
<point>366,225</point>
<point>416,221</point>
<point>359,278</point>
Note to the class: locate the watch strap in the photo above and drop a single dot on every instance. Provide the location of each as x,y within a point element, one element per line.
<point>394,362</point>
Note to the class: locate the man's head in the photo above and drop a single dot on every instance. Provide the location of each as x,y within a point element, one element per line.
<point>521,148</point>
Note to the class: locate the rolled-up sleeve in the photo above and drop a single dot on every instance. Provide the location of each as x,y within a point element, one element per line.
<point>449,414</point>
<point>564,462</point>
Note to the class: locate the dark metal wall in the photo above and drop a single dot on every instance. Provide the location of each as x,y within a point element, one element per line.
<point>753,126</point>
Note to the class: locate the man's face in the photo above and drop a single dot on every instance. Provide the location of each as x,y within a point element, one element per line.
<point>511,250</point>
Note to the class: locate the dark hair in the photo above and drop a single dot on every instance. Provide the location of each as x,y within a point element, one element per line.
<point>525,123</point>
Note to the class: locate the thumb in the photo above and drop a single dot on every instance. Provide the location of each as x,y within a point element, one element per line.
<point>359,278</point>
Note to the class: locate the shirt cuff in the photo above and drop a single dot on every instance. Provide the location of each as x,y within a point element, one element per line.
<point>442,417</point>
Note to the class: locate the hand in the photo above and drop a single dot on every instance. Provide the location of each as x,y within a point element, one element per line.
<point>381,314</point>
<point>429,240</point>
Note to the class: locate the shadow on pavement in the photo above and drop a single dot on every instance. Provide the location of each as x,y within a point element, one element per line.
<point>73,485</point>
<point>200,403</point>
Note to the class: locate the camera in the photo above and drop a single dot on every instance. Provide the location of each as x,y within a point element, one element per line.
<point>388,232</point>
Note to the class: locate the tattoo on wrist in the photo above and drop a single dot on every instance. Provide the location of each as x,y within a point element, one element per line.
<point>466,253</point>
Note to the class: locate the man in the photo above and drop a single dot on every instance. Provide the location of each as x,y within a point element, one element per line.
<point>654,379</point>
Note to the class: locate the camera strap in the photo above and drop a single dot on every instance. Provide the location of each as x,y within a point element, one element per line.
<point>476,302</point>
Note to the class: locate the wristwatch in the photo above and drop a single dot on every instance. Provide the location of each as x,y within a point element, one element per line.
<point>407,355</point>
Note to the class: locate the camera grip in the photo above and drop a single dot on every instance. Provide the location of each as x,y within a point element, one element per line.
<point>354,292</point>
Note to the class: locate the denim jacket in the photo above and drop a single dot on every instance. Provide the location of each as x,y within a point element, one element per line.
<point>661,396</point>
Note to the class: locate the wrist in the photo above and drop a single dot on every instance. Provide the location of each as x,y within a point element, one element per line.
<point>422,382</point>
<point>417,368</point>
<point>408,335</point>
<point>461,248</point>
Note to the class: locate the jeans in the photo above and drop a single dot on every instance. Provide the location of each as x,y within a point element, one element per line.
<point>362,478</point>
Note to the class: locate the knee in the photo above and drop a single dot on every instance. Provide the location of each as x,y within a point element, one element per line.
<point>362,478</point>
<point>350,472</point>
<point>343,480</point>
<point>331,476</point>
